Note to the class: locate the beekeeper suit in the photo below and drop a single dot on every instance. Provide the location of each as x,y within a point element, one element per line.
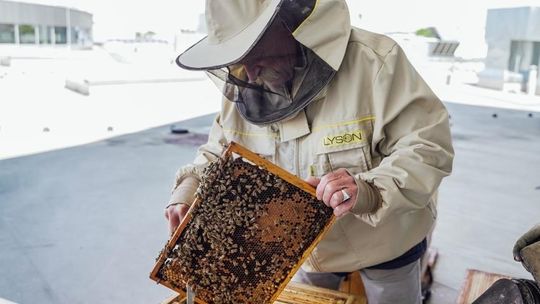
<point>341,107</point>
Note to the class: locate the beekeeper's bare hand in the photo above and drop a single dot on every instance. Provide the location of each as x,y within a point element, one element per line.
<point>175,214</point>
<point>530,237</point>
<point>329,190</point>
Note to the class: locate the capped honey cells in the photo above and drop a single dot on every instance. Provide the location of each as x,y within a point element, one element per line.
<point>249,229</point>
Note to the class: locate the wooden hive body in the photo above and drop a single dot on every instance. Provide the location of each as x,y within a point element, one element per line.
<point>249,230</point>
<point>476,283</point>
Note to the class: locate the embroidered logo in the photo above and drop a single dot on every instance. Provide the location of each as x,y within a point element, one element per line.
<point>343,139</point>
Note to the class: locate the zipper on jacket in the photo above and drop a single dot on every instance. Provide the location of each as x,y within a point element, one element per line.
<point>312,257</point>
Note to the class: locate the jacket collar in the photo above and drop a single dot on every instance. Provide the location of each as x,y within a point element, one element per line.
<point>295,127</point>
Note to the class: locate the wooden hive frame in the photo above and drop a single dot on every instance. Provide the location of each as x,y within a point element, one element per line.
<point>244,153</point>
<point>296,293</point>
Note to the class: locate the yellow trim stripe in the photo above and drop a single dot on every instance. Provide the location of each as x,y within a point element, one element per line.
<point>319,128</point>
<point>312,11</point>
<point>250,134</point>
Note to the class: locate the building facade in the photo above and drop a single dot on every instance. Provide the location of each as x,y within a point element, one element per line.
<point>36,24</point>
<point>513,38</point>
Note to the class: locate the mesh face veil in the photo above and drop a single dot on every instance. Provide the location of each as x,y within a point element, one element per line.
<point>279,76</point>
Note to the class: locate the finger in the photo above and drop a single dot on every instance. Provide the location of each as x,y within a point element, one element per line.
<point>341,171</point>
<point>520,244</point>
<point>182,211</point>
<point>345,176</point>
<point>330,189</point>
<point>177,214</point>
<point>324,181</point>
<point>344,208</point>
<point>320,188</point>
<point>174,221</point>
<point>336,199</point>
<point>314,181</point>
<point>167,213</point>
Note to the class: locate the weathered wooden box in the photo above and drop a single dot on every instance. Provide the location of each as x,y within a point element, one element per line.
<point>476,283</point>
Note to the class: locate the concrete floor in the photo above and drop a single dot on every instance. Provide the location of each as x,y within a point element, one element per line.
<point>492,197</point>
<point>84,224</point>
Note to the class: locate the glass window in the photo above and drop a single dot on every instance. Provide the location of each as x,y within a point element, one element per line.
<point>7,33</point>
<point>60,34</point>
<point>536,54</point>
<point>85,36</point>
<point>518,53</point>
<point>45,33</point>
<point>74,35</point>
<point>27,34</point>
<point>523,54</point>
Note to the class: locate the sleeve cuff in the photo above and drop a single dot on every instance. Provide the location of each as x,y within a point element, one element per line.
<point>184,193</point>
<point>368,198</point>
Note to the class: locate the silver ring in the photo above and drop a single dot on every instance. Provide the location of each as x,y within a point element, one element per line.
<point>346,195</point>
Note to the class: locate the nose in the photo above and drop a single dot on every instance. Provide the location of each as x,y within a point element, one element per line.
<point>252,71</point>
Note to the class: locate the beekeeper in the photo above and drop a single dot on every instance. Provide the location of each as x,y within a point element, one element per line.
<point>341,107</point>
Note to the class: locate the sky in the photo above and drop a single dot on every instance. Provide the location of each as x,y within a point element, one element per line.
<point>463,20</point>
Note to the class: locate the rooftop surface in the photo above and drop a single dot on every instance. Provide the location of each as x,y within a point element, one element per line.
<point>84,179</point>
<point>84,224</point>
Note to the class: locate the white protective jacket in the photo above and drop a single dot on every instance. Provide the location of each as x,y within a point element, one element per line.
<point>377,118</point>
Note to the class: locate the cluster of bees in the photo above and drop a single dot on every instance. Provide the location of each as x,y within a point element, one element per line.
<point>246,235</point>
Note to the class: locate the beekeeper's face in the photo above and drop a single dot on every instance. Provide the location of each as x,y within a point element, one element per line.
<point>271,62</point>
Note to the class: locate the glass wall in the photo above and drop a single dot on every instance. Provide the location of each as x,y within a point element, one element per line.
<point>7,33</point>
<point>60,35</point>
<point>27,34</point>
<point>74,35</point>
<point>85,37</point>
<point>536,54</point>
<point>45,34</point>
<point>523,54</point>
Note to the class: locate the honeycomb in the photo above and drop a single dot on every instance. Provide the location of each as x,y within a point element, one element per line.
<point>249,229</point>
